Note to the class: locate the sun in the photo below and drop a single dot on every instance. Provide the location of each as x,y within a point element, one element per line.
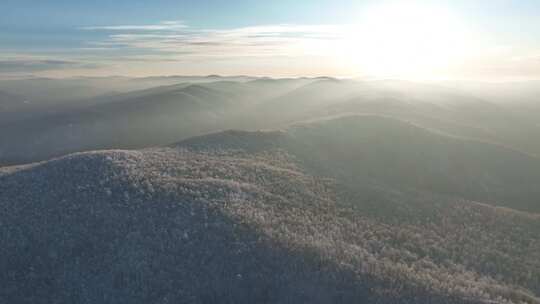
<point>405,40</point>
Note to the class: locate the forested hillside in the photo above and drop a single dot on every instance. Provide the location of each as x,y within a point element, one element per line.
<point>300,215</point>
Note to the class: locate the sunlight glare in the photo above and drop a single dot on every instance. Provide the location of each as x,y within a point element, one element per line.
<point>405,40</point>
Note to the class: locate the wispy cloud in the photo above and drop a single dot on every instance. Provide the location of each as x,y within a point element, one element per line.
<point>162,26</point>
<point>25,65</point>
<point>172,47</point>
<point>177,38</point>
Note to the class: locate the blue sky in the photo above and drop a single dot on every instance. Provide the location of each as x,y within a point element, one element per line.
<point>214,13</point>
<point>278,38</point>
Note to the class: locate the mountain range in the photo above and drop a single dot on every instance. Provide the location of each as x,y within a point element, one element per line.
<point>309,190</point>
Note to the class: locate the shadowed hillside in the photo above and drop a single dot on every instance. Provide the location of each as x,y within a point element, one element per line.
<point>375,152</point>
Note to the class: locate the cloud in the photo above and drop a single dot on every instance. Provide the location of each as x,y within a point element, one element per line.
<point>175,38</point>
<point>162,26</point>
<point>25,65</point>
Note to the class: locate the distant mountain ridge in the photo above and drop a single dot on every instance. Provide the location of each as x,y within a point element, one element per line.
<point>161,110</point>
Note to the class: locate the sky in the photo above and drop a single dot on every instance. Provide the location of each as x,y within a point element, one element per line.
<point>429,40</point>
